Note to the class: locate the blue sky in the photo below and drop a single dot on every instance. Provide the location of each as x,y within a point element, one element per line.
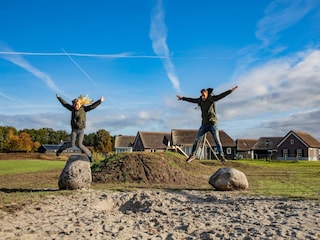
<point>139,54</point>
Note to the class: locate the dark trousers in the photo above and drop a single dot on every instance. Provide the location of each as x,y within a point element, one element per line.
<point>76,133</point>
<point>213,129</point>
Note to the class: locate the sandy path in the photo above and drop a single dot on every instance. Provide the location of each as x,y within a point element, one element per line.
<point>159,214</point>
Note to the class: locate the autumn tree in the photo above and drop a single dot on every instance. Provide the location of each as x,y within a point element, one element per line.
<point>31,139</point>
<point>103,141</point>
<point>47,135</point>
<point>25,142</point>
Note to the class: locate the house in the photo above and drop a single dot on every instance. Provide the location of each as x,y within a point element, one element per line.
<point>151,141</point>
<point>48,148</point>
<point>123,144</point>
<point>245,148</point>
<point>266,147</point>
<point>183,139</point>
<point>53,148</point>
<point>298,146</point>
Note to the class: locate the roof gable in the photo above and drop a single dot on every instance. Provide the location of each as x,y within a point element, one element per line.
<point>153,140</point>
<point>183,136</point>
<point>245,144</point>
<point>265,143</point>
<point>187,136</point>
<point>124,141</point>
<point>304,137</point>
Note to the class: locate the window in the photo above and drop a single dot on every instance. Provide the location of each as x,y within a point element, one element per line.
<point>299,153</point>
<point>285,153</point>
<point>228,150</point>
<point>292,141</point>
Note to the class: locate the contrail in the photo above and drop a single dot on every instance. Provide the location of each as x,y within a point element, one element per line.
<point>120,55</point>
<point>21,62</point>
<point>81,69</point>
<point>158,36</point>
<point>10,98</point>
<point>87,75</point>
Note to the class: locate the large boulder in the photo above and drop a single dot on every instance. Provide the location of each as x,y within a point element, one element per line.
<point>229,179</point>
<point>76,174</point>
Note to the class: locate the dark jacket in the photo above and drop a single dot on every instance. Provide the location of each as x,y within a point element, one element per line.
<point>208,108</point>
<point>78,117</point>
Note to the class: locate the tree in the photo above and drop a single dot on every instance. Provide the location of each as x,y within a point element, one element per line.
<point>103,141</point>
<point>57,136</point>
<point>11,139</point>
<point>89,139</point>
<point>31,139</point>
<point>25,142</point>
<point>47,135</point>
<point>36,146</point>
<point>19,143</point>
<point>40,135</point>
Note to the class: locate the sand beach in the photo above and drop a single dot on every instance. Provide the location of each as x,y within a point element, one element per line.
<point>163,214</point>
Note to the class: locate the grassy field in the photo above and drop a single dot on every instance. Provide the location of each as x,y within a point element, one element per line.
<point>25,181</point>
<point>299,179</point>
<point>28,166</point>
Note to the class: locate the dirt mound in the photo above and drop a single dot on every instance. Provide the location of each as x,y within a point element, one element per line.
<point>152,168</point>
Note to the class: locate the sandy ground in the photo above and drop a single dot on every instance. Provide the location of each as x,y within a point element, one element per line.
<point>160,214</point>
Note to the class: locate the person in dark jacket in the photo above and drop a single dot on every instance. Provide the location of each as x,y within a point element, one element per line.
<point>206,103</point>
<point>78,121</point>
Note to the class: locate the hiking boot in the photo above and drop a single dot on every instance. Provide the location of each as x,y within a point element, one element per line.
<point>222,158</point>
<point>190,158</point>
<point>58,152</point>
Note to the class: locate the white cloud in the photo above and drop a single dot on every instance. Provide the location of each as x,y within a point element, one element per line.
<point>281,15</point>
<point>158,35</point>
<point>271,92</point>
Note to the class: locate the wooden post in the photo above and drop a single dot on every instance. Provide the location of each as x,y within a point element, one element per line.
<point>206,141</point>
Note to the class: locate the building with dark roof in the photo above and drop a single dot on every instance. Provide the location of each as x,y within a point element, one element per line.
<point>151,141</point>
<point>245,148</point>
<point>184,138</point>
<point>298,146</point>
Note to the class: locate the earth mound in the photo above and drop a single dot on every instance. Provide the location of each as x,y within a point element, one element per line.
<point>151,168</point>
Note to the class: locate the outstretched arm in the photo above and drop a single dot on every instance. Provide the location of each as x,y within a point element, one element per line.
<point>94,105</point>
<point>187,99</point>
<point>224,94</point>
<point>64,103</point>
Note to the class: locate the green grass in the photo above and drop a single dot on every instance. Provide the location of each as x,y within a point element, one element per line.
<point>26,181</point>
<point>298,179</point>
<point>28,166</point>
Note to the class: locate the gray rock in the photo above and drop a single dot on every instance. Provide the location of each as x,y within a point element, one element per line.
<point>76,174</point>
<point>229,179</point>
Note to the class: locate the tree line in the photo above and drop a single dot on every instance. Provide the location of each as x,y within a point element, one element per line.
<point>29,140</point>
